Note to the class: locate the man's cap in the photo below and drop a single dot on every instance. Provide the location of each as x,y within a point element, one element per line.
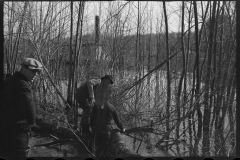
<point>32,64</point>
<point>109,77</point>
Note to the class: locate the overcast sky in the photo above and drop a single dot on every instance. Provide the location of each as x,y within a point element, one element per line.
<point>150,14</point>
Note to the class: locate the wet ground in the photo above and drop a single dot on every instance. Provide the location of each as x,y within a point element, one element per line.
<point>50,151</point>
<point>68,150</point>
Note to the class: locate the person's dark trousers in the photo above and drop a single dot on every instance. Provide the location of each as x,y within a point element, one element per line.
<point>14,145</point>
<point>91,145</point>
<point>101,142</point>
<point>85,121</point>
<point>85,124</point>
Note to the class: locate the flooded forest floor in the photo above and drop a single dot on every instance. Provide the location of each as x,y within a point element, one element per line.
<point>73,149</point>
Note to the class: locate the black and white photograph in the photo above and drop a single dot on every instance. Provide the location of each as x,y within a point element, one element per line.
<point>119,79</point>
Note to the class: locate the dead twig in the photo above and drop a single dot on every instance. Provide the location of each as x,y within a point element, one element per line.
<point>139,146</point>
<point>60,141</point>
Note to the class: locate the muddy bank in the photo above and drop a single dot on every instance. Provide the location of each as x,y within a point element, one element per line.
<point>70,146</point>
<point>50,151</point>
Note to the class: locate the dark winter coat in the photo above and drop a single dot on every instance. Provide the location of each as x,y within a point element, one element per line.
<point>18,110</point>
<point>84,94</point>
<point>101,119</point>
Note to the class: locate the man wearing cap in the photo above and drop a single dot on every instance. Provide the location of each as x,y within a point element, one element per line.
<point>90,92</point>
<point>18,110</point>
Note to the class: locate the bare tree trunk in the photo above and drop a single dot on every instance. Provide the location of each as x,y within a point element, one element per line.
<point>218,98</point>
<point>168,74</point>
<point>197,91</point>
<point>69,93</point>
<point>77,59</point>
<point>185,80</point>
<point>157,89</point>
<point>216,104</point>
<point>221,122</point>
<point>148,68</point>
<point>73,76</point>
<point>178,104</point>
<point>149,43</point>
<point>137,70</point>
<point>212,89</point>
<point>207,107</point>
<point>10,45</point>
